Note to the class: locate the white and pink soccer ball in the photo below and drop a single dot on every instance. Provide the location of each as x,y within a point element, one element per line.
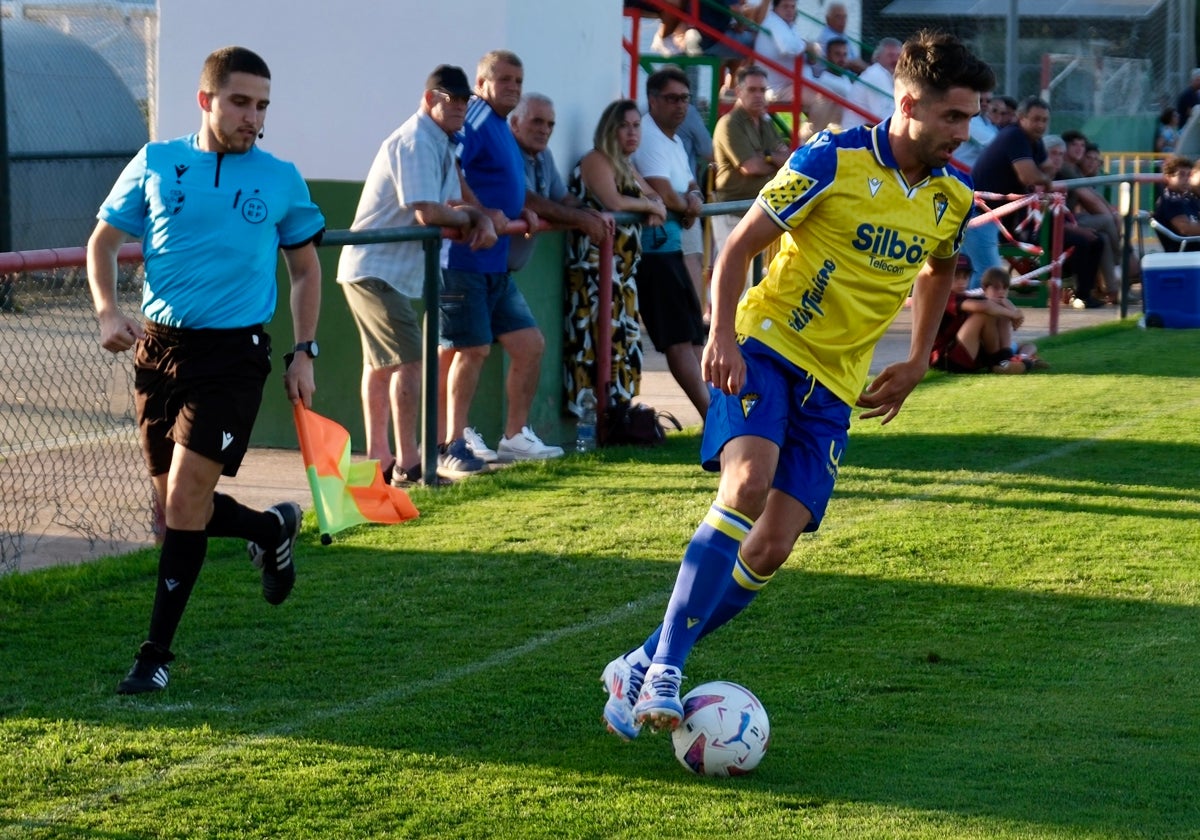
<point>724,731</point>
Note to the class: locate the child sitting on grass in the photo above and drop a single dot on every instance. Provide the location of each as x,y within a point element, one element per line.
<point>976,332</point>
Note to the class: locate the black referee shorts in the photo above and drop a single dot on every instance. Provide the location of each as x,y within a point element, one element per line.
<point>200,389</point>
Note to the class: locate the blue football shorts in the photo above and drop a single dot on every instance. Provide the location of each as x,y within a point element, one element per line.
<point>789,407</point>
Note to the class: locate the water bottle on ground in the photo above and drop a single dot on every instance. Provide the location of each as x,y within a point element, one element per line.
<point>585,429</point>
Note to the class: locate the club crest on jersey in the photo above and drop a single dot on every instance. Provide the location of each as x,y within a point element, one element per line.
<point>749,401</point>
<point>873,184</point>
<point>940,203</point>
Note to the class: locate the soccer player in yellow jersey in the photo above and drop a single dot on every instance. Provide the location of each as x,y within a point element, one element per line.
<point>865,215</point>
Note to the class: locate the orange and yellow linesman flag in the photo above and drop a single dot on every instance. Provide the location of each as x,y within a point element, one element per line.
<point>344,494</point>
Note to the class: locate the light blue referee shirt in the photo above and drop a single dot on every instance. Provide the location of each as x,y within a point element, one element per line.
<point>211,225</point>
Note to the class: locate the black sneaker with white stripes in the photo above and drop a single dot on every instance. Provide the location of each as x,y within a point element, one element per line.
<point>277,564</point>
<point>150,671</point>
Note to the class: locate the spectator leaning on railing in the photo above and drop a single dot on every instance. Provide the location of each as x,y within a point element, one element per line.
<point>606,179</point>
<point>413,180</point>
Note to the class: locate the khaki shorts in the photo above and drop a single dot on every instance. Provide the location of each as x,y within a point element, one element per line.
<point>386,321</point>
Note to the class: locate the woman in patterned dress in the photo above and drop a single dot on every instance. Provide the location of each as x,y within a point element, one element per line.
<point>605,179</point>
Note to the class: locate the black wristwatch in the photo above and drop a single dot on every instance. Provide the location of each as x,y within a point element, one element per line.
<point>309,347</point>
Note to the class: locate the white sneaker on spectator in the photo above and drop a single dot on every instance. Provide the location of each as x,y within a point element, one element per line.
<point>692,43</point>
<point>665,48</point>
<point>526,446</point>
<point>479,447</point>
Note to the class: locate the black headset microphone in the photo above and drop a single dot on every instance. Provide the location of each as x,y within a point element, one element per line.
<point>261,133</point>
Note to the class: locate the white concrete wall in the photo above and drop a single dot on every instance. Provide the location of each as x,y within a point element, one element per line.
<point>345,73</point>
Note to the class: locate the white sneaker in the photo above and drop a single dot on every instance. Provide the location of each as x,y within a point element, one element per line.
<point>692,43</point>
<point>527,447</point>
<point>479,447</point>
<point>665,48</point>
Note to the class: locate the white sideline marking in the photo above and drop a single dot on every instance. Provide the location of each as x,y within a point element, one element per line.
<point>103,798</point>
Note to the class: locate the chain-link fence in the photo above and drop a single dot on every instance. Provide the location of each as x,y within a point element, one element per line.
<point>79,84</point>
<point>123,33</point>
<point>70,465</point>
<point>1099,64</point>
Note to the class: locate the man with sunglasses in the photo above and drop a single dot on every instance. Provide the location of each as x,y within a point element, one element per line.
<point>669,304</point>
<point>412,181</point>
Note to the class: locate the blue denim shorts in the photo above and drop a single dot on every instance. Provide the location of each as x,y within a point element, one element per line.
<point>789,407</point>
<point>476,309</point>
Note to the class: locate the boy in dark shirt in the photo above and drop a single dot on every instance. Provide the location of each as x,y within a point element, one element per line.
<point>1177,209</point>
<point>976,332</point>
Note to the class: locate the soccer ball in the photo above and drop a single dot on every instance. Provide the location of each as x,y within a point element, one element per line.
<point>724,731</point>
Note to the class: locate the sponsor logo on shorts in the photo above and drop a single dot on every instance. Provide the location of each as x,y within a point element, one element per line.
<point>226,440</point>
<point>835,459</point>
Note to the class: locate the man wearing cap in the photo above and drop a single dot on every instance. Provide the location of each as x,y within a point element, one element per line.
<point>1189,98</point>
<point>412,181</point>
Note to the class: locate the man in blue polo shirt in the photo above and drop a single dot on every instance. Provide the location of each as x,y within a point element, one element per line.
<point>480,303</point>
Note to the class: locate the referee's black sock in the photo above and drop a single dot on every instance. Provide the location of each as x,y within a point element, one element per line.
<point>230,518</point>
<point>178,568</point>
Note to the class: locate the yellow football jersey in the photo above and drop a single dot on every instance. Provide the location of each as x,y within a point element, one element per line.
<point>856,236</point>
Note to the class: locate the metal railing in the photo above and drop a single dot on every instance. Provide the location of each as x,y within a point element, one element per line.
<point>690,14</point>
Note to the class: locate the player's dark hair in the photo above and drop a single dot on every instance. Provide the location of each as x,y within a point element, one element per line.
<point>221,63</point>
<point>659,78</point>
<point>932,61</point>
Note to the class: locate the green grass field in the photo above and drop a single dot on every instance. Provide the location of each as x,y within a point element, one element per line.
<point>996,634</point>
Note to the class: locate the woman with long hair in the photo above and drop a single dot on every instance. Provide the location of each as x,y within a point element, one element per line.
<point>605,179</point>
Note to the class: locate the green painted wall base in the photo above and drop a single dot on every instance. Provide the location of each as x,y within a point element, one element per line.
<point>339,368</point>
